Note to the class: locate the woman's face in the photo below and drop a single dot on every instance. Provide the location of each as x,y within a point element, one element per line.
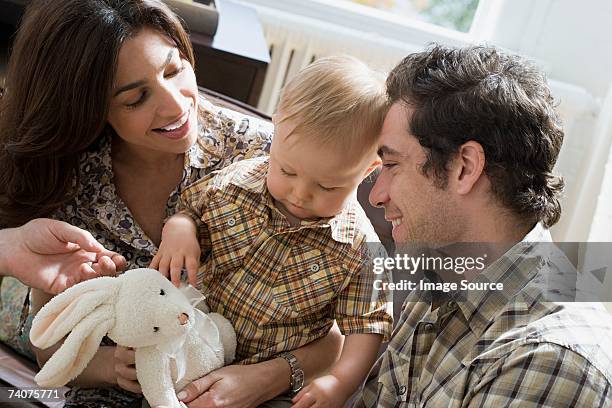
<point>154,99</point>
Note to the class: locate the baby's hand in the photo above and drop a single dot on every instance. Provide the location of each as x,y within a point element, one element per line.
<point>176,253</point>
<point>326,391</point>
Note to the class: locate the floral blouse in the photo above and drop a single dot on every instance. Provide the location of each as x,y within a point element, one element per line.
<point>224,136</point>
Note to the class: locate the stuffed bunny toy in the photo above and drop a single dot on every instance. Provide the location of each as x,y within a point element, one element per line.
<point>175,343</point>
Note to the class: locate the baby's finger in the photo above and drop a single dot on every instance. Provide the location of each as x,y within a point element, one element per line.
<point>176,266</point>
<point>192,266</point>
<point>155,261</point>
<point>164,266</point>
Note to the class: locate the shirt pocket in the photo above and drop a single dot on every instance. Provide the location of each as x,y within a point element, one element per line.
<point>393,379</point>
<point>308,283</point>
<point>232,233</point>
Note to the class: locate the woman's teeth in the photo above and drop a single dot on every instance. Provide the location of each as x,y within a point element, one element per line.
<point>177,124</point>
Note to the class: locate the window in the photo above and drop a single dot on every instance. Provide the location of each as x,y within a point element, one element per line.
<point>453,14</point>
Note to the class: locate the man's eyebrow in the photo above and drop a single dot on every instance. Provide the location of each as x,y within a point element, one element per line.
<point>387,151</point>
<point>141,82</point>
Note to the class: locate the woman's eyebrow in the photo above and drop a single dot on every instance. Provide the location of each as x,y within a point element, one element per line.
<point>141,82</point>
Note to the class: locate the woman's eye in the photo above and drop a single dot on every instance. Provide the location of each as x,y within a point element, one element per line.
<point>175,72</point>
<point>389,165</point>
<point>327,188</point>
<point>139,101</point>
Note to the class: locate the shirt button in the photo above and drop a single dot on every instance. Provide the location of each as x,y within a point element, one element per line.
<point>231,222</point>
<point>314,267</point>
<point>428,326</point>
<point>250,279</point>
<point>401,390</point>
<point>452,305</point>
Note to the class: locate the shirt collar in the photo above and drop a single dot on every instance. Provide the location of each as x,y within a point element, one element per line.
<point>515,269</point>
<point>343,226</point>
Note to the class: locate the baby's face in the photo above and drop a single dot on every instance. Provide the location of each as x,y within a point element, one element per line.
<point>311,181</point>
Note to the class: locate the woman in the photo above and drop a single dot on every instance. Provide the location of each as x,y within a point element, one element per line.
<point>102,126</point>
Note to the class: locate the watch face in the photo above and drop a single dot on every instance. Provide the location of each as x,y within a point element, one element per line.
<point>298,377</point>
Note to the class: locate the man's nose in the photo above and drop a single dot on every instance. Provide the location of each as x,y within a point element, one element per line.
<point>378,195</point>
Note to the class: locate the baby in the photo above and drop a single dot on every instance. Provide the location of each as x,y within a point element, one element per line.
<point>286,247</point>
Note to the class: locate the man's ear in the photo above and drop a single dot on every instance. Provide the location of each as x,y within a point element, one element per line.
<point>468,167</point>
<point>373,166</point>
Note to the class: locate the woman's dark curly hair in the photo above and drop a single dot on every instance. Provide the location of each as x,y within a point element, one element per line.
<point>500,101</point>
<point>58,90</point>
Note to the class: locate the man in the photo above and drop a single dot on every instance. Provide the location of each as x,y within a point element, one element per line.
<point>468,149</point>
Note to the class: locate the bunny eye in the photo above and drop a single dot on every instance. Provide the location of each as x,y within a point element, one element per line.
<point>162,292</point>
<point>155,329</point>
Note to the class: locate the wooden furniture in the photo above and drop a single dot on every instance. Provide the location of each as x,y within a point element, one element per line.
<point>233,62</point>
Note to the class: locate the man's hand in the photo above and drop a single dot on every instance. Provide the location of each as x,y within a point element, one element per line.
<point>324,392</point>
<point>53,255</point>
<point>235,386</point>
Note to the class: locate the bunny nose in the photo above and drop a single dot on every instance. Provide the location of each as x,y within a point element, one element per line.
<point>183,318</point>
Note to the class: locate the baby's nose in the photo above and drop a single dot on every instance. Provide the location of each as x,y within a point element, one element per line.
<point>183,318</point>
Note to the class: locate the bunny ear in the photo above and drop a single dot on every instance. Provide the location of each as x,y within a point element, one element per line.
<point>78,349</point>
<point>62,313</point>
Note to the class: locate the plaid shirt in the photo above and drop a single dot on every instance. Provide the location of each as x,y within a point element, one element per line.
<point>282,286</point>
<point>492,350</point>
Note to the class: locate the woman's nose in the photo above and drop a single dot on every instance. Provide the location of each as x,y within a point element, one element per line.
<point>172,103</point>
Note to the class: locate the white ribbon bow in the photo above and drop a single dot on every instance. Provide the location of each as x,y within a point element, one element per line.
<point>203,326</point>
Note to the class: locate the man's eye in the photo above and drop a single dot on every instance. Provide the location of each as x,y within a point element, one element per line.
<point>327,188</point>
<point>389,165</point>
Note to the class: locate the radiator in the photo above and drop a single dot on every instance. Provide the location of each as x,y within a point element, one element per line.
<point>295,42</point>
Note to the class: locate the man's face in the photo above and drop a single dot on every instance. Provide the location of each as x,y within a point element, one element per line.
<point>419,211</point>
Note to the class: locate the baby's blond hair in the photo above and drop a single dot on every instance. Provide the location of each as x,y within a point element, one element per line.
<point>336,100</point>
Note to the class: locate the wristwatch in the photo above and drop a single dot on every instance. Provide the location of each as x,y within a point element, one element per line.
<point>297,374</point>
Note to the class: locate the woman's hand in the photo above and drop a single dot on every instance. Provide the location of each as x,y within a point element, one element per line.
<point>236,386</point>
<point>52,255</point>
<point>124,369</point>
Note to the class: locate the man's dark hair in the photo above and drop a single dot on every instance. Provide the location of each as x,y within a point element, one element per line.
<point>499,100</point>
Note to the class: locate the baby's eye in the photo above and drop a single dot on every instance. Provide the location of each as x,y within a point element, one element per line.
<point>286,173</point>
<point>155,329</point>
<point>327,188</point>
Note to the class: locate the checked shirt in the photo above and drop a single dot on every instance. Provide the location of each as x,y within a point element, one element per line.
<point>282,286</point>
